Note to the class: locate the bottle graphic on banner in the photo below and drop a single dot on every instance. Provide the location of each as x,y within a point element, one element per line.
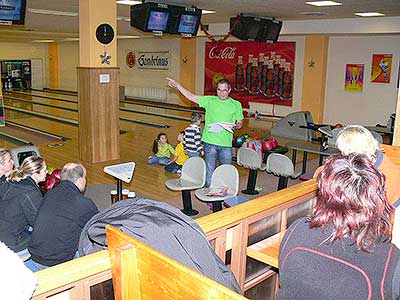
<point>239,75</point>
<point>287,86</point>
<point>269,80</point>
<point>263,79</point>
<point>280,76</point>
<point>253,90</point>
<point>248,71</point>
<point>277,64</point>
<point>259,67</point>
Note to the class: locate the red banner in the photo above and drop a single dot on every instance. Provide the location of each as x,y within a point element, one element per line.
<point>258,72</point>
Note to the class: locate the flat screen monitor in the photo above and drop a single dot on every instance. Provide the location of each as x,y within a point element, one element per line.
<point>12,11</point>
<point>188,24</point>
<point>158,20</point>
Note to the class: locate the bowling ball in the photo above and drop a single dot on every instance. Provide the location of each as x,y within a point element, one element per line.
<point>274,143</point>
<point>246,135</point>
<point>49,182</point>
<point>267,145</point>
<point>217,77</point>
<point>239,141</point>
<point>249,139</point>
<point>57,173</point>
<point>338,125</point>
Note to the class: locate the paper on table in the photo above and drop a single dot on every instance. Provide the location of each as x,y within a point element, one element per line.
<point>219,126</point>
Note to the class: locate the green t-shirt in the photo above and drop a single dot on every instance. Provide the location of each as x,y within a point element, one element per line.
<point>218,110</point>
<point>165,151</point>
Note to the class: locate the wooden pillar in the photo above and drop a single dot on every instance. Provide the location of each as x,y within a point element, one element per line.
<point>187,73</point>
<point>98,84</point>
<point>54,67</point>
<point>314,75</point>
<point>396,136</point>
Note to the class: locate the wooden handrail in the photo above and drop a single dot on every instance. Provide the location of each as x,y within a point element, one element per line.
<point>73,273</point>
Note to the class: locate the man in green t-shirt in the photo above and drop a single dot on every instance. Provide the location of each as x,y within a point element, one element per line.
<point>221,108</point>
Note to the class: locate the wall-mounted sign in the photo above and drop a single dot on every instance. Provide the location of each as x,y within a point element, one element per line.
<point>354,79</point>
<point>153,60</point>
<point>131,59</point>
<point>381,68</point>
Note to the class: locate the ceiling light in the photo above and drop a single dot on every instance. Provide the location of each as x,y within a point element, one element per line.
<point>43,41</point>
<point>70,40</point>
<point>129,2</point>
<point>206,12</point>
<point>127,37</point>
<point>369,14</point>
<point>53,12</point>
<point>324,3</point>
<point>313,13</point>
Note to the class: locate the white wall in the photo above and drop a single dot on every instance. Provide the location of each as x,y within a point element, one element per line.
<point>155,79</point>
<point>68,60</point>
<point>27,51</point>
<point>377,100</point>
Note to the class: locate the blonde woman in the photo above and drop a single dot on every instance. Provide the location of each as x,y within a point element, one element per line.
<point>6,164</point>
<point>20,199</point>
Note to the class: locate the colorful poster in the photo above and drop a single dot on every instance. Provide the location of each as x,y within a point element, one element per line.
<point>258,72</point>
<point>354,77</point>
<point>381,68</point>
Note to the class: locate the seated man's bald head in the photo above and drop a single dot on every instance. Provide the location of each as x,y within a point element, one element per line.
<point>76,173</point>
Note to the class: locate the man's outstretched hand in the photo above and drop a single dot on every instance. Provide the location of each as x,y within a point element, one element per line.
<point>172,83</point>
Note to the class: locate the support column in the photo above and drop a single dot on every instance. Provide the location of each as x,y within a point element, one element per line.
<point>396,130</point>
<point>314,75</point>
<point>54,67</point>
<point>98,84</point>
<point>187,73</point>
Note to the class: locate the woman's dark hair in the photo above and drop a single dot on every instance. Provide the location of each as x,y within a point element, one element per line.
<point>352,199</point>
<point>155,143</point>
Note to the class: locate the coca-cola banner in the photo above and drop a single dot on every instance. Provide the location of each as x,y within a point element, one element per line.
<point>259,72</point>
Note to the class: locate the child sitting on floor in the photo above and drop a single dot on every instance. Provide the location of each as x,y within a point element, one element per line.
<point>176,162</point>
<point>162,150</point>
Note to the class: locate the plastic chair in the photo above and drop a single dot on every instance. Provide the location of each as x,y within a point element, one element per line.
<point>223,176</point>
<point>282,166</point>
<point>18,154</point>
<point>193,177</point>
<point>252,160</point>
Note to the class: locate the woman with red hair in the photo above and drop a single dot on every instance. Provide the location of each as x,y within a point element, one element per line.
<point>343,250</point>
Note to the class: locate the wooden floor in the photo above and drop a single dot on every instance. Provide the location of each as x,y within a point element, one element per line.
<point>135,144</point>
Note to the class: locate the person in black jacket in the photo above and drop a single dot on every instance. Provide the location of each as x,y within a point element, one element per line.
<point>6,164</point>
<point>61,218</point>
<point>20,199</point>
<point>343,250</point>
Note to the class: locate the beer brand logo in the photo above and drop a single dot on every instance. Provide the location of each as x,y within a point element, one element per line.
<point>130,59</point>
<point>154,60</point>
<point>222,53</point>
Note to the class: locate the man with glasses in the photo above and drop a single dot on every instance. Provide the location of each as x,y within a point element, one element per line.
<point>220,108</point>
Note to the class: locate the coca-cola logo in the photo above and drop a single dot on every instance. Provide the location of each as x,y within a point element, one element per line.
<point>222,53</point>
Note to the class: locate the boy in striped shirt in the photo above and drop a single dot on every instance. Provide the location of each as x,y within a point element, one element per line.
<point>192,138</point>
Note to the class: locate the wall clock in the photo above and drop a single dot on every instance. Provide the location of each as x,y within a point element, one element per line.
<point>105,33</point>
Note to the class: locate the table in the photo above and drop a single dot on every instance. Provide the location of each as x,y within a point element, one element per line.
<point>309,147</point>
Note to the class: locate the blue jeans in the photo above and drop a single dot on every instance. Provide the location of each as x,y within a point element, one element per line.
<point>212,153</point>
<point>35,266</point>
<point>193,153</point>
<point>158,160</point>
<point>173,167</point>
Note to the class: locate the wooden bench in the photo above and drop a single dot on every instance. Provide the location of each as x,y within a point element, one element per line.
<point>267,250</point>
<point>141,272</point>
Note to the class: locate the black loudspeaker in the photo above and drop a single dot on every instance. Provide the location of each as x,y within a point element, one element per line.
<point>255,29</point>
